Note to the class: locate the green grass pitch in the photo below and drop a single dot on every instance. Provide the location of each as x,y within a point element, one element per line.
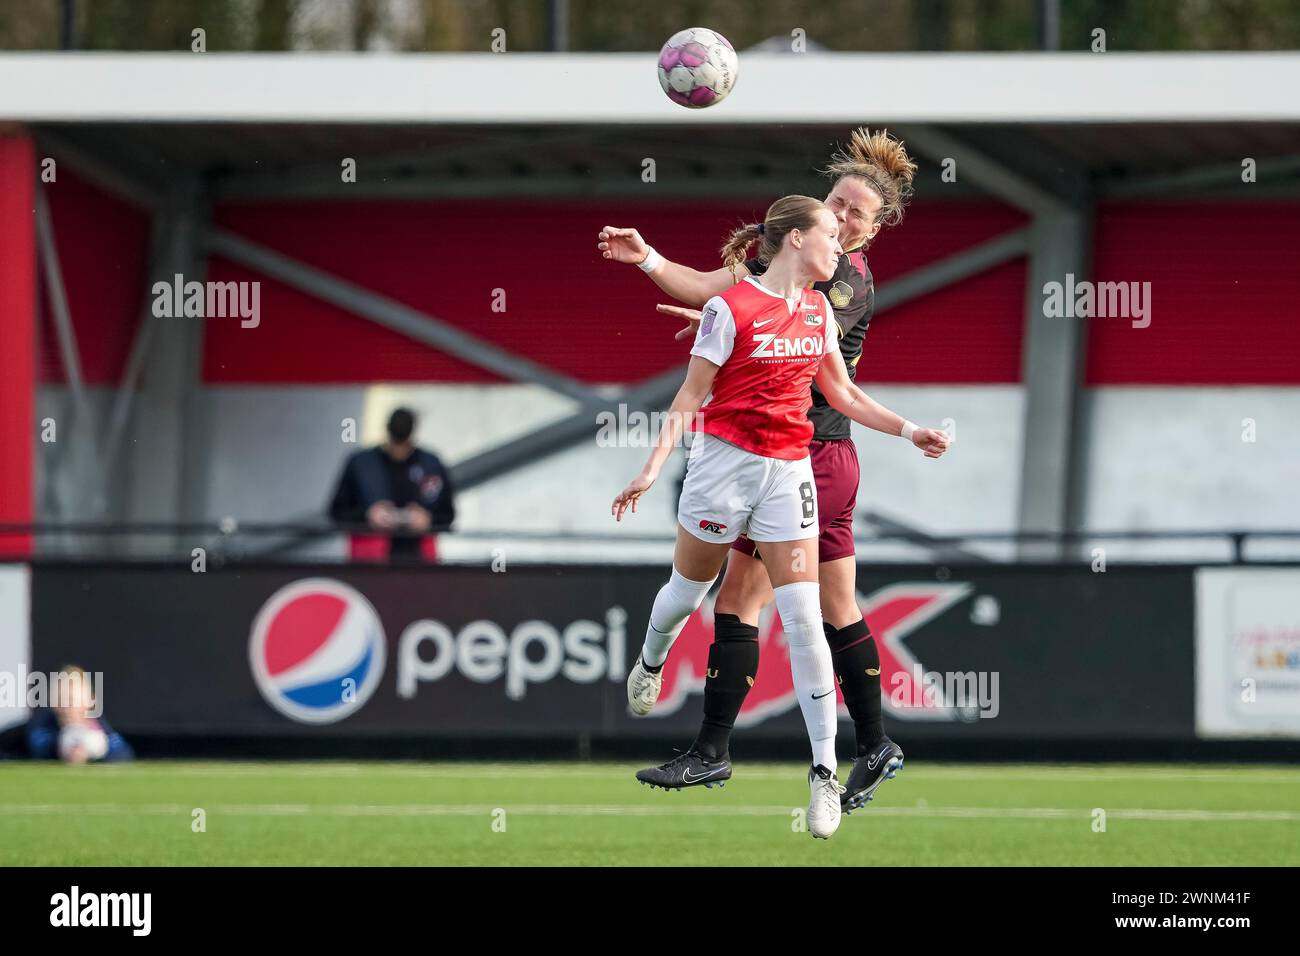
<point>335,813</point>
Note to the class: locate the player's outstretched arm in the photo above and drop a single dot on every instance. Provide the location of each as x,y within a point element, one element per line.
<point>699,380</point>
<point>847,399</point>
<point>683,283</point>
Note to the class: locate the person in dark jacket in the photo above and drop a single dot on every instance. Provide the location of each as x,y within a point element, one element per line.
<point>68,731</point>
<point>400,491</point>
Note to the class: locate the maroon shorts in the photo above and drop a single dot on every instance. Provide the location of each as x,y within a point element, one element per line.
<point>836,472</point>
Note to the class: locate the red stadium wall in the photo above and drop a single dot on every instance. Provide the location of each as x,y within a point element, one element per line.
<point>17,336</point>
<point>1223,286</point>
<point>565,307</point>
<point>1225,283</point>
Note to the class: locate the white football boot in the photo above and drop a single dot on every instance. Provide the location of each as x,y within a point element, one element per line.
<point>643,688</point>
<point>824,802</point>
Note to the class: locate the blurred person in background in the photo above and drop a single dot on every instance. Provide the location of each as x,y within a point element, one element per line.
<point>399,490</point>
<point>67,730</point>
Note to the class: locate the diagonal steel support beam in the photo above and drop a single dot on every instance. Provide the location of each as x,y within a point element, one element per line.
<point>653,393</point>
<point>391,314</point>
<point>985,172</point>
<point>59,302</point>
<point>120,415</point>
<point>75,477</point>
<point>105,175</point>
<point>953,269</point>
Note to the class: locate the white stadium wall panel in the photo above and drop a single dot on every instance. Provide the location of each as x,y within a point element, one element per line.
<point>15,642</point>
<point>1191,458</point>
<point>1159,458</point>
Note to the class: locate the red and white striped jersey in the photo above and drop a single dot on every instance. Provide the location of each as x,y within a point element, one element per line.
<point>767,350</point>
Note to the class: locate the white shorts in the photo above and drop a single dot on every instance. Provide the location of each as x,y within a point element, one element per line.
<point>729,491</point>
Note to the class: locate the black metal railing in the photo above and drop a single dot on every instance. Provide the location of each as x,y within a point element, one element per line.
<point>287,540</point>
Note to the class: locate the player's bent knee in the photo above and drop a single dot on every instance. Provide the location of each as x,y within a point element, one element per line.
<point>800,613</point>
<point>695,559</point>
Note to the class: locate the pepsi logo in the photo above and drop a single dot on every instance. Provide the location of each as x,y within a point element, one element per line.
<point>317,651</point>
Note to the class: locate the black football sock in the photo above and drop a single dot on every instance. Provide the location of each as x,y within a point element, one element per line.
<point>857,668</point>
<point>733,665</point>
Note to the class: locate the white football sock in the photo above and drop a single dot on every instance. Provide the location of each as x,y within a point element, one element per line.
<point>799,605</point>
<point>676,601</point>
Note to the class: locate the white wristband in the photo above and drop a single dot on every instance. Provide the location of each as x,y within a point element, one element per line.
<point>908,429</point>
<point>651,262</point>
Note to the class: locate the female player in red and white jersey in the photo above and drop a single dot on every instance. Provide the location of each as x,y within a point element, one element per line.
<point>871,180</point>
<point>760,346</point>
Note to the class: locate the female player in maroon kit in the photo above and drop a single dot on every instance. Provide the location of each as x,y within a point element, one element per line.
<point>871,181</point>
<point>749,468</point>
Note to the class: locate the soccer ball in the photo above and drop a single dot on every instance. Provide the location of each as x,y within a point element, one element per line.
<point>91,739</point>
<point>697,68</point>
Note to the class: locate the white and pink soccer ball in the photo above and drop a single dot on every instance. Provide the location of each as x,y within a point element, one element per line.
<point>88,738</point>
<point>697,68</point>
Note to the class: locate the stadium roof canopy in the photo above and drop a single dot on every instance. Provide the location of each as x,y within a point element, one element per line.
<point>277,161</point>
<point>275,125</point>
<point>621,88</point>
